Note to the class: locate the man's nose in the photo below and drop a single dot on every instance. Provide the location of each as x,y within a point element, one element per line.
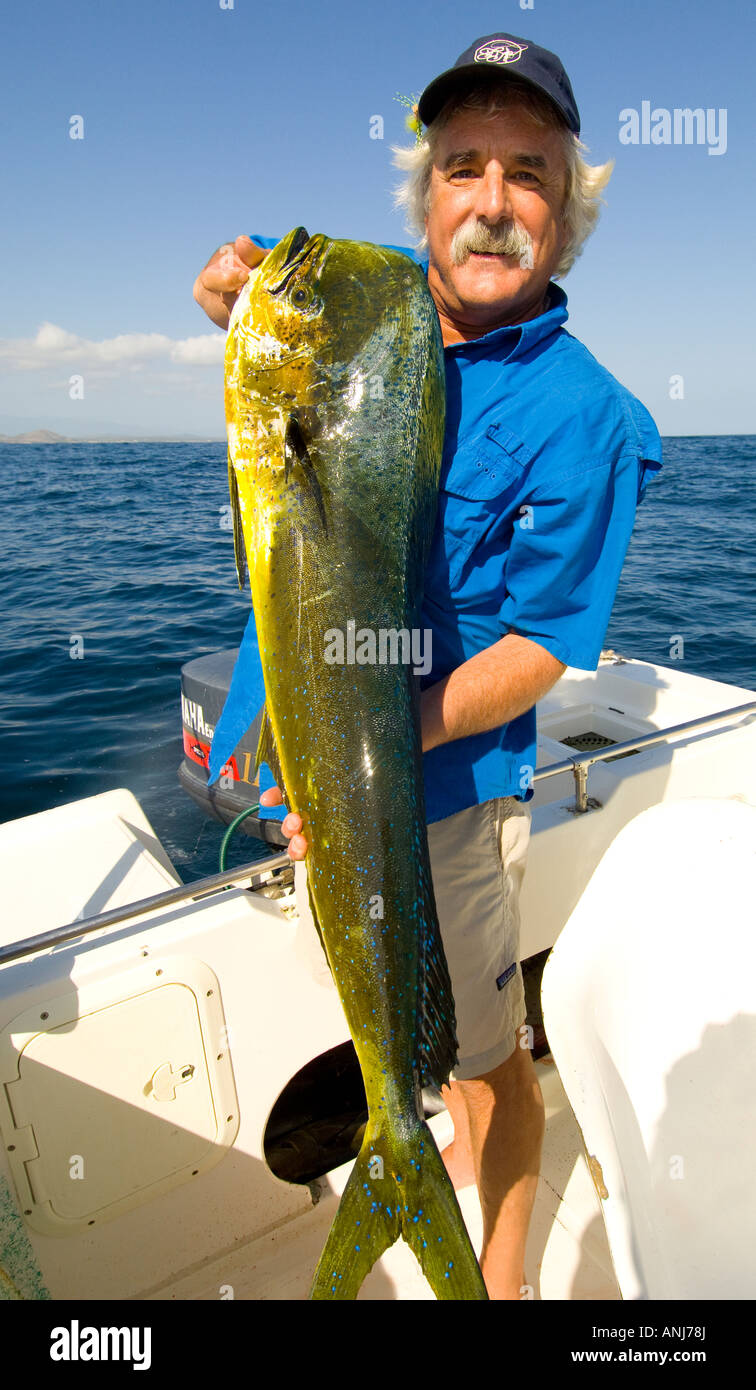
<point>493,202</point>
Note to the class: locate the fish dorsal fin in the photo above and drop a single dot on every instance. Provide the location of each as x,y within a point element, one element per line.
<point>436,1021</point>
<point>267,752</point>
<point>239,550</point>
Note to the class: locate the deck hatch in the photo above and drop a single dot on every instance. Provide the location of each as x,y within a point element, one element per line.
<point>116,1093</point>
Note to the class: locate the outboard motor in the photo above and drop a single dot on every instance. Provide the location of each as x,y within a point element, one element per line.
<point>204,686</point>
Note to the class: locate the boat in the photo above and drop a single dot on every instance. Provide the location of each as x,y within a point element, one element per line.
<point>180,1101</point>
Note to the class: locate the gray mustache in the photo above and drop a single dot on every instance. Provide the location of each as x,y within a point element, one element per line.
<point>505,240</point>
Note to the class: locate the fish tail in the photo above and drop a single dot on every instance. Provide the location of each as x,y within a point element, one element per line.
<point>363,1228</point>
<point>433,1227</point>
<point>399,1186</point>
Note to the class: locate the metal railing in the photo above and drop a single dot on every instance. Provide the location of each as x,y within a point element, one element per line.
<point>191,892</point>
<point>580,763</point>
<point>182,893</point>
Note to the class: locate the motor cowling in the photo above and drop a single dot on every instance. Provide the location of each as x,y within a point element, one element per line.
<point>205,683</point>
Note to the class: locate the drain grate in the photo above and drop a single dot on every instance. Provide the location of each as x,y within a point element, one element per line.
<point>590,741</point>
<point>585,742</point>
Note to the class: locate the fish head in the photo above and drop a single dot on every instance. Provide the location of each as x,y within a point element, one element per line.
<point>324,352</point>
<point>306,320</point>
<point>273,323</point>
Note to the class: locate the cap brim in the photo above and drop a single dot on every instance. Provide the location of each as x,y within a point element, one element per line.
<point>437,93</point>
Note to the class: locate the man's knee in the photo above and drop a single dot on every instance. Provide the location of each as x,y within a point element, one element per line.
<point>513,1083</point>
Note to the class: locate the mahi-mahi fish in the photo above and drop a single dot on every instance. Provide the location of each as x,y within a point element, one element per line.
<point>335,410</point>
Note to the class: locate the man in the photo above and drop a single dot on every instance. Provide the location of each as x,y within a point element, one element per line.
<point>545,459</point>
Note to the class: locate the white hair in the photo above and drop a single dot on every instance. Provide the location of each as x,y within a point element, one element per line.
<point>584,182</point>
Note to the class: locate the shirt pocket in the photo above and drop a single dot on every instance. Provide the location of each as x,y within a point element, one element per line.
<point>477,502</point>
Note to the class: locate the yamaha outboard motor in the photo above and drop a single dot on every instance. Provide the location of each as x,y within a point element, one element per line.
<point>204,686</point>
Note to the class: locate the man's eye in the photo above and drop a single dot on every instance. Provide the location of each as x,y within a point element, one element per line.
<point>526,174</point>
<point>463,174</point>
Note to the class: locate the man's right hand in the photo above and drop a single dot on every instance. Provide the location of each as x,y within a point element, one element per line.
<point>217,287</point>
<point>290,825</point>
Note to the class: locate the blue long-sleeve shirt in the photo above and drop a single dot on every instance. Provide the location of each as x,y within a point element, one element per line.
<point>546,457</point>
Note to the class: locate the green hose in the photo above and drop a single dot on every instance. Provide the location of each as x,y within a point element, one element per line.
<point>248,811</point>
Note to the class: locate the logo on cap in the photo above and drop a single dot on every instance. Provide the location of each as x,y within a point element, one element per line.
<point>499,52</point>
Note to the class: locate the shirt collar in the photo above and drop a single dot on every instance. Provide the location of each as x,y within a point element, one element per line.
<point>519,338</point>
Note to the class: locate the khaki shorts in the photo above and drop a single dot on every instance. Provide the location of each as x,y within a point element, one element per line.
<point>477,862</point>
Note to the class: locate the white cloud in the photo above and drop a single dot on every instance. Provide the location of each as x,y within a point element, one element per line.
<point>201,351</point>
<point>53,345</point>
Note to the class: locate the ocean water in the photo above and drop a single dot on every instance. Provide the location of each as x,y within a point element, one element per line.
<point>121,552</point>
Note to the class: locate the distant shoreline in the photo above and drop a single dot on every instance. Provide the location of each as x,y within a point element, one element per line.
<point>48,437</point>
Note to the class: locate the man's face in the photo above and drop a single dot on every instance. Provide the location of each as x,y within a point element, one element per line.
<point>488,174</point>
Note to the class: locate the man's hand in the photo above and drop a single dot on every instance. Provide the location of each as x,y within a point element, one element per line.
<point>290,825</point>
<point>217,287</point>
<point>490,689</point>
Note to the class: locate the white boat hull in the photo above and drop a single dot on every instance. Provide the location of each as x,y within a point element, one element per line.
<point>141,1063</point>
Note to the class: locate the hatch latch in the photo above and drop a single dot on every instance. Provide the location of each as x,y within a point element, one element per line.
<point>165,1080</point>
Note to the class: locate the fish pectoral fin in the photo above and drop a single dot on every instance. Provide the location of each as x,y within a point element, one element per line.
<point>296,455</point>
<point>240,555</point>
<point>267,752</point>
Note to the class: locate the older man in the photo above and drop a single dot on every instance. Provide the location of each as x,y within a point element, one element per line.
<point>545,459</point>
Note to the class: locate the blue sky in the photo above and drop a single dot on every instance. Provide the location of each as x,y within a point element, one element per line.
<point>201,122</point>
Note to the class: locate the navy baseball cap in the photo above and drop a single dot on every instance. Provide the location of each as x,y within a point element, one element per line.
<point>503,55</point>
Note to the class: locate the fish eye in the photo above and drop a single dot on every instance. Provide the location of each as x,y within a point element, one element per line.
<point>301,296</point>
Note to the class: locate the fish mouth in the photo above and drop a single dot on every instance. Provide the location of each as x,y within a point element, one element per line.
<point>302,249</point>
<point>299,239</point>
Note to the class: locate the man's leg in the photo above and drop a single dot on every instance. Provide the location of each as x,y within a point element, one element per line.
<point>458,1156</point>
<point>505,1117</point>
<point>478,862</point>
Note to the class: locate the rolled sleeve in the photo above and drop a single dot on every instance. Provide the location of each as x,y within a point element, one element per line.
<point>566,556</point>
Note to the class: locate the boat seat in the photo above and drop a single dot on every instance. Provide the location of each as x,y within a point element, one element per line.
<point>77,860</point>
<point>649,1004</point>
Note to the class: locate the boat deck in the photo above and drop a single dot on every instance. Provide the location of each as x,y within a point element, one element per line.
<point>567,1254</point>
